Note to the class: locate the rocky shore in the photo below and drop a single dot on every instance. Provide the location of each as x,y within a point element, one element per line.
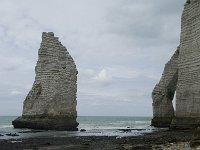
<point>164,139</point>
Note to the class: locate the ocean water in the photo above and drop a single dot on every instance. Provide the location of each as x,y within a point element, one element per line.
<point>94,125</point>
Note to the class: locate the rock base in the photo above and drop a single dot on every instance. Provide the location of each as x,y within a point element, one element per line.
<point>195,141</point>
<point>185,123</point>
<point>46,123</point>
<point>161,122</point>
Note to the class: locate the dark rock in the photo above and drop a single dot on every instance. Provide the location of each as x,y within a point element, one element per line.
<point>138,129</point>
<point>161,122</point>
<point>195,141</point>
<point>86,144</point>
<point>1,135</point>
<point>82,130</point>
<point>12,134</point>
<point>46,123</point>
<point>141,147</point>
<point>125,130</point>
<point>48,143</point>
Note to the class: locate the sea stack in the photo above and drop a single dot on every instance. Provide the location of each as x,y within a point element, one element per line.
<point>181,75</point>
<point>51,103</point>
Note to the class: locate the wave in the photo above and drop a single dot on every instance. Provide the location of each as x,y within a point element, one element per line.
<point>6,126</point>
<point>142,122</point>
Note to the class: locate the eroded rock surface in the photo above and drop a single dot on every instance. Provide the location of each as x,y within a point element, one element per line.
<point>51,103</point>
<point>195,138</point>
<point>188,86</point>
<point>186,82</point>
<point>163,94</point>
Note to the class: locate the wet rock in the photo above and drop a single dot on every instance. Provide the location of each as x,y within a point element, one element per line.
<point>141,147</point>
<point>47,143</point>
<point>195,141</point>
<point>86,144</point>
<point>125,130</point>
<point>138,129</point>
<point>82,130</point>
<point>12,134</point>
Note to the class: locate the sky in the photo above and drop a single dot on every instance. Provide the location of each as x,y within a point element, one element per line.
<point>120,48</point>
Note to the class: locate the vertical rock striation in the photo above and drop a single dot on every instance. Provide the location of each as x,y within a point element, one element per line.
<point>186,80</point>
<point>163,94</point>
<point>188,86</point>
<point>51,103</point>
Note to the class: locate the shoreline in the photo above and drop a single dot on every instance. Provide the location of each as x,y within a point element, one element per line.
<point>162,139</point>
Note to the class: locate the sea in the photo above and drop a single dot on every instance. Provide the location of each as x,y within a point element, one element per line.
<point>119,126</point>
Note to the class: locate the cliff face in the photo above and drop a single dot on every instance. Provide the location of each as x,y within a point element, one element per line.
<point>188,86</point>
<point>51,103</point>
<point>187,82</point>
<point>163,93</point>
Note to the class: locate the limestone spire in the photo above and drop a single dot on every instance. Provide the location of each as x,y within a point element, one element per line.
<point>51,103</point>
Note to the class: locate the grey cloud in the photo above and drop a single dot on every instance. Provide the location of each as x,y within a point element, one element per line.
<point>145,19</point>
<point>130,40</point>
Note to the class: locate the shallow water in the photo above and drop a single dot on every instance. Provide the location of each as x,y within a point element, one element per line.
<point>94,125</point>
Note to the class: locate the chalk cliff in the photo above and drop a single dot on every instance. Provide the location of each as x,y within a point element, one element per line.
<point>182,75</point>
<point>51,103</point>
<point>163,93</point>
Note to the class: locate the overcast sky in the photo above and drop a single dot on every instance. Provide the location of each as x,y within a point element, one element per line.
<point>119,46</point>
